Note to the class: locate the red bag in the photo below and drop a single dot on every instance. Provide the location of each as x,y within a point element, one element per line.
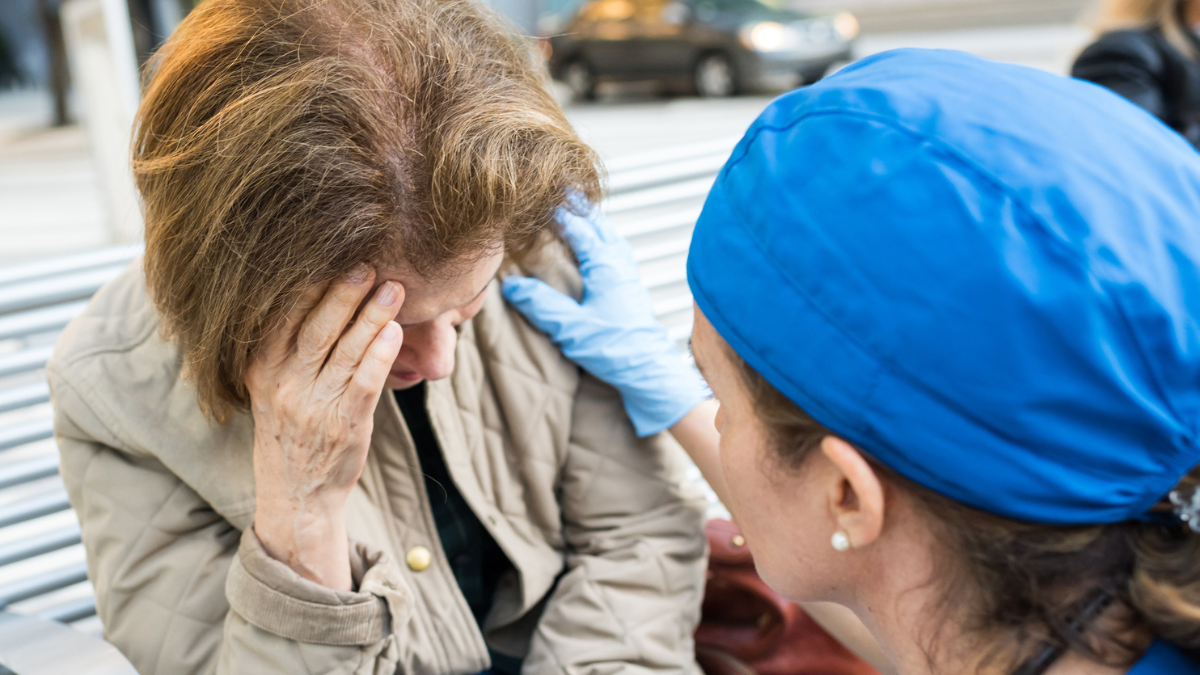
<point>747,629</point>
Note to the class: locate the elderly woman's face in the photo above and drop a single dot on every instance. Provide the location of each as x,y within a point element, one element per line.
<point>430,316</point>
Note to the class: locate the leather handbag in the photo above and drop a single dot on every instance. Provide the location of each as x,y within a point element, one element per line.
<point>748,629</point>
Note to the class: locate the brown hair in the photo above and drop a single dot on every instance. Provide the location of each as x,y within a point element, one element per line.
<point>1165,14</point>
<point>280,143</point>
<point>1028,581</point>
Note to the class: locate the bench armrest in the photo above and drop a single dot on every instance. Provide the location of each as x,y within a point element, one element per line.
<point>32,646</point>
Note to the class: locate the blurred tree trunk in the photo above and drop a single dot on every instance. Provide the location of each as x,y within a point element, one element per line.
<point>57,48</point>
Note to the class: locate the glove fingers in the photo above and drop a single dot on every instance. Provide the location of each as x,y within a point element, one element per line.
<point>544,307</point>
<point>580,233</point>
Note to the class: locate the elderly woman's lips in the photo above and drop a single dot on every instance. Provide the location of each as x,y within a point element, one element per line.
<point>406,375</point>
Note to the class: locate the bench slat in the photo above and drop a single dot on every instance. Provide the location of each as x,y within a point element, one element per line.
<point>34,507</point>
<point>26,360</point>
<point>659,196</point>
<point>24,396</point>
<point>673,304</point>
<point>27,432</point>
<point>41,584</point>
<point>676,219</point>
<point>76,610</point>
<point>27,471</point>
<point>53,291</point>
<point>620,165</point>
<point>42,320</point>
<point>660,174</point>
<point>29,547</point>
<point>665,278</point>
<point>68,264</point>
<point>665,249</point>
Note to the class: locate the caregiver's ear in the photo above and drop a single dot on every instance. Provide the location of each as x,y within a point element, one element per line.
<point>855,496</point>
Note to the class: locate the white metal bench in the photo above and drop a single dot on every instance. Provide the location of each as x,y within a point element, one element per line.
<point>654,200</point>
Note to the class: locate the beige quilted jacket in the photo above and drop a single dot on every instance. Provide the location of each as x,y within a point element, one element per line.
<point>604,530</point>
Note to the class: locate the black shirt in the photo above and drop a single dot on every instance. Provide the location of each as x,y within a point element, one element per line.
<point>475,558</point>
<point>1146,68</point>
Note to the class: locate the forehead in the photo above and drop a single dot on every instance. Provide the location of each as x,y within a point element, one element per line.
<point>702,333</point>
<point>705,343</point>
<point>428,297</point>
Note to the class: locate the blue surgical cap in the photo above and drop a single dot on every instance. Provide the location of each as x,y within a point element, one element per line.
<point>983,275</point>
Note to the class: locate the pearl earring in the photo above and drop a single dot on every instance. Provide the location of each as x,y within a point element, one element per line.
<point>840,541</point>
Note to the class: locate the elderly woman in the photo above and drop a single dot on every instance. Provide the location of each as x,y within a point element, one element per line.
<point>1150,54</point>
<point>956,345</point>
<point>306,434</point>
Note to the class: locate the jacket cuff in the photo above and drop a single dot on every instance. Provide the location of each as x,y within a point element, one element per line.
<point>271,596</point>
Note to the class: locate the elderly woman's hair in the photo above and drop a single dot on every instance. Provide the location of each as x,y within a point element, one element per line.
<point>281,143</point>
<point>1138,14</point>
<point>1018,587</point>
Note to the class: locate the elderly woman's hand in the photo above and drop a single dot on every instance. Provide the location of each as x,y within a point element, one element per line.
<point>313,391</point>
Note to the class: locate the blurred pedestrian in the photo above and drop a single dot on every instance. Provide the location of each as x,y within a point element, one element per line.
<point>1150,54</point>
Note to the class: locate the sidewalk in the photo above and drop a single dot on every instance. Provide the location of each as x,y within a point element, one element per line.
<point>1051,47</point>
<point>50,201</point>
<point>890,16</point>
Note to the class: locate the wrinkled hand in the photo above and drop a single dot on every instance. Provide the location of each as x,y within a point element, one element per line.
<point>612,333</point>
<point>313,391</point>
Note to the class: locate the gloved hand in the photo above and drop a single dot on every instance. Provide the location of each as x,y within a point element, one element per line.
<point>612,333</point>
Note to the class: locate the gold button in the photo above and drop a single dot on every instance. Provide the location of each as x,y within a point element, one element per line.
<point>738,541</point>
<point>419,558</point>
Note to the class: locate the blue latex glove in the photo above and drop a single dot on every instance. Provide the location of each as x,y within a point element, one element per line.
<point>613,333</point>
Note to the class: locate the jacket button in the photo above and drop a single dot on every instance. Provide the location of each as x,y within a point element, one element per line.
<point>419,558</point>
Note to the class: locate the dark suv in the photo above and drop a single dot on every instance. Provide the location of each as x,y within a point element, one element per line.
<point>719,47</point>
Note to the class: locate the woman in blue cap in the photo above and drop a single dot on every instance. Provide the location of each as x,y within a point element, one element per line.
<point>951,312</point>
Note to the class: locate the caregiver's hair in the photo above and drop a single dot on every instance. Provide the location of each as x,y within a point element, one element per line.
<point>1028,581</point>
<point>281,143</point>
<point>1166,14</point>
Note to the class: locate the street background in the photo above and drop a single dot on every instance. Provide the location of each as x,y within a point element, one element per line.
<point>51,199</point>
<point>663,152</point>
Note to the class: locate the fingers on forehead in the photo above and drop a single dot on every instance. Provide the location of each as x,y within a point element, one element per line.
<point>309,299</point>
<point>337,306</point>
<point>354,343</point>
<point>283,329</point>
<point>344,296</point>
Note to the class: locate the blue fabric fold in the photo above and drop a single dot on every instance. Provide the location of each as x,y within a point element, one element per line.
<point>983,275</point>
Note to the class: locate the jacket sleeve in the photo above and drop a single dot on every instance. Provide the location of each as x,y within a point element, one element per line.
<point>629,600</point>
<point>1128,63</point>
<point>180,590</point>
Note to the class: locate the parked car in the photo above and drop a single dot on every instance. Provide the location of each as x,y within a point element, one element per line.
<point>718,47</point>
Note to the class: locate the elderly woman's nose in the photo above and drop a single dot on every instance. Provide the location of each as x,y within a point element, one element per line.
<point>430,348</point>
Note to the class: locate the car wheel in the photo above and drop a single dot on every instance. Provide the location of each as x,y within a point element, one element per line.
<point>580,80</point>
<point>715,77</point>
